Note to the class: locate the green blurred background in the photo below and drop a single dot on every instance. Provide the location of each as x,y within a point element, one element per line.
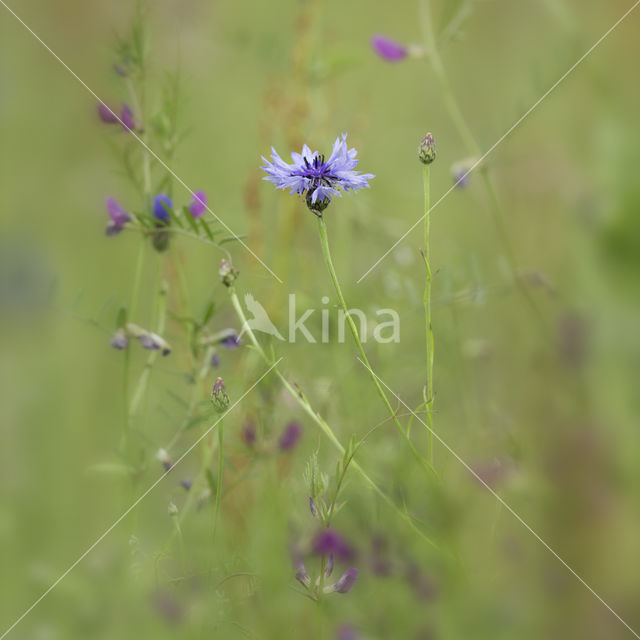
<point>547,410</point>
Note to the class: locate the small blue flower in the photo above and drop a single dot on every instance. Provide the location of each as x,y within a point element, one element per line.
<point>316,178</point>
<point>161,206</point>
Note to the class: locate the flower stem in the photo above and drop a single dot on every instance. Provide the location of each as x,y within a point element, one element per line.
<point>301,399</point>
<point>220,475</point>
<point>324,240</point>
<point>428,391</point>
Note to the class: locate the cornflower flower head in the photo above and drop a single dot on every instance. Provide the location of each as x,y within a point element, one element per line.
<point>388,49</point>
<point>315,177</point>
<point>199,204</point>
<point>119,217</point>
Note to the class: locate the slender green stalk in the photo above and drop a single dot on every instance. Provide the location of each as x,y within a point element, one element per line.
<point>220,476</point>
<point>324,240</point>
<point>301,399</point>
<point>428,392</point>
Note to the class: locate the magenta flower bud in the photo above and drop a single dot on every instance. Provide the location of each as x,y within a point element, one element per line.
<point>107,115</point>
<point>290,436</point>
<point>388,49</point>
<point>346,582</point>
<point>126,116</point>
<point>199,204</point>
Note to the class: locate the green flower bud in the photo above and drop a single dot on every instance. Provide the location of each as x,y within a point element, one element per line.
<point>219,396</point>
<point>227,273</point>
<point>427,149</point>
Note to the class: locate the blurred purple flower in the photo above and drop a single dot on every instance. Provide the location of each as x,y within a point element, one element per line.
<point>161,204</point>
<point>346,582</point>
<point>423,586</point>
<point>119,340</point>
<point>126,116</point>
<point>388,49</point>
<point>154,342</point>
<point>120,70</point>
<point>249,434</point>
<point>231,341</point>
<point>330,542</point>
<point>301,573</point>
<point>186,484</point>
<point>199,204</point>
<point>107,115</point>
<point>316,178</point>
<point>290,436</point>
<point>215,360</point>
<point>328,570</point>
<point>119,217</point>
<point>312,507</point>
<point>346,632</point>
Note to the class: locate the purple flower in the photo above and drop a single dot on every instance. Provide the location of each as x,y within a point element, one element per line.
<point>312,508</point>
<point>186,484</point>
<point>249,434</point>
<point>231,341</point>
<point>346,582</point>
<point>107,115</point>
<point>154,342</point>
<point>388,49</point>
<point>301,574</point>
<point>161,206</point>
<point>329,542</point>
<point>346,632</point>
<point>126,116</point>
<point>290,436</point>
<point>313,176</point>
<point>119,340</point>
<point>215,360</point>
<point>119,217</point>
<point>199,204</point>
<point>328,570</point>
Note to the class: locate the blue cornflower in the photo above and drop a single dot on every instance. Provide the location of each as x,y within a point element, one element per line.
<point>161,206</point>
<point>315,177</point>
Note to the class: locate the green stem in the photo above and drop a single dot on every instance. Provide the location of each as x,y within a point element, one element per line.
<point>301,399</point>
<point>324,240</point>
<point>428,393</point>
<point>220,475</point>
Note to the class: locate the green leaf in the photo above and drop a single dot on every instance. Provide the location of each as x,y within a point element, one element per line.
<point>206,229</point>
<point>121,318</point>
